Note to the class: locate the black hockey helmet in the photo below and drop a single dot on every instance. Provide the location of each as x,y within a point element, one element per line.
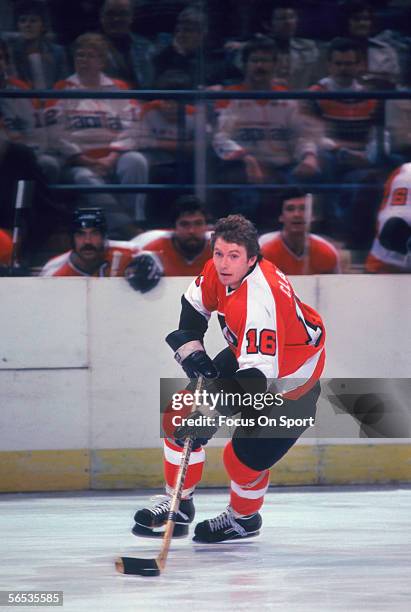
<point>89,217</point>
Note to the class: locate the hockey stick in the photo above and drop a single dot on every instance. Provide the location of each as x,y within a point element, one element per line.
<point>308,214</point>
<point>22,189</point>
<point>153,567</point>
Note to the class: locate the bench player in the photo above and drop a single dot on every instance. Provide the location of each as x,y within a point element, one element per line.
<point>294,249</point>
<point>391,249</point>
<point>181,251</point>
<point>92,253</point>
<point>271,335</point>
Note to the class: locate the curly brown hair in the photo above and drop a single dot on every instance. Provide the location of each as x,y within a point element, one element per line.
<point>237,229</point>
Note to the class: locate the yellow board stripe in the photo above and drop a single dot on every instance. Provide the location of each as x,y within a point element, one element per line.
<point>53,470</point>
<point>142,468</point>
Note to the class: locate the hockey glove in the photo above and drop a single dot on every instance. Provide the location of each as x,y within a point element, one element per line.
<point>190,354</point>
<point>144,272</point>
<point>396,235</point>
<point>198,426</point>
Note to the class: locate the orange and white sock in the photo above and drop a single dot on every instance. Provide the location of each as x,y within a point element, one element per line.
<point>172,460</point>
<point>248,486</point>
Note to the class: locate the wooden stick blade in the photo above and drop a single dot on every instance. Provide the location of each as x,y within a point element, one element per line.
<point>137,567</point>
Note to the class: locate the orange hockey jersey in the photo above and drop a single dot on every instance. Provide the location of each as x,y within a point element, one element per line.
<point>266,325</point>
<point>320,256</point>
<point>174,262</point>
<point>6,247</point>
<point>117,256</point>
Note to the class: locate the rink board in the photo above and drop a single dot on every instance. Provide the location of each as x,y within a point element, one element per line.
<point>80,362</point>
<point>309,464</point>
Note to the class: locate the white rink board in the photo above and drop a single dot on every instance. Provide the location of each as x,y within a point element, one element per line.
<point>45,410</point>
<point>127,341</point>
<point>368,325</point>
<point>67,324</point>
<point>43,323</point>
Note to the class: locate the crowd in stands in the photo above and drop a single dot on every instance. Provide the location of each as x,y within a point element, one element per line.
<point>342,150</point>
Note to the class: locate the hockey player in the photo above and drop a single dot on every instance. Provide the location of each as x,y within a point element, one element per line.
<point>6,248</point>
<point>92,254</point>
<point>182,251</point>
<point>391,249</point>
<point>271,335</point>
<point>294,249</point>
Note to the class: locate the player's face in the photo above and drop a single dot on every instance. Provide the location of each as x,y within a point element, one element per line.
<point>343,67</point>
<point>231,262</point>
<point>89,244</point>
<point>190,231</point>
<point>259,68</point>
<point>30,26</point>
<point>293,216</point>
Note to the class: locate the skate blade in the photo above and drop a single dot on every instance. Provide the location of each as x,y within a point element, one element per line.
<point>229,541</point>
<point>141,531</point>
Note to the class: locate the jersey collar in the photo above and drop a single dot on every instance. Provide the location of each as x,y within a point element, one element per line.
<point>230,291</point>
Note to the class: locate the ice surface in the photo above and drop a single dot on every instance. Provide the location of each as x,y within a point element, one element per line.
<point>321,549</point>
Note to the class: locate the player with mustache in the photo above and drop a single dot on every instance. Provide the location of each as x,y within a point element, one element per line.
<point>92,253</point>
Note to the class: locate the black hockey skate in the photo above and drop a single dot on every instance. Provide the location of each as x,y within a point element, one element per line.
<point>226,526</point>
<point>150,521</point>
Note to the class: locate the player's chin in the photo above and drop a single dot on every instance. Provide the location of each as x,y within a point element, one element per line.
<point>225,279</point>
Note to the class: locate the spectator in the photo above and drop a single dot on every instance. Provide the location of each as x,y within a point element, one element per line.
<point>350,140</point>
<point>301,54</point>
<point>129,56</point>
<point>26,121</point>
<point>380,66</point>
<point>263,141</point>
<point>182,251</point>
<point>96,138</point>
<point>92,254</point>
<point>167,146</point>
<point>35,58</point>
<point>347,122</point>
<point>391,249</point>
<point>293,249</point>
<point>189,53</point>
<point>398,120</point>
<point>297,58</point>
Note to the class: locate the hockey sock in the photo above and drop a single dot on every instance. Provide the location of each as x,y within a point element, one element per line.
<point>172,460</point>
<point>248,486</point>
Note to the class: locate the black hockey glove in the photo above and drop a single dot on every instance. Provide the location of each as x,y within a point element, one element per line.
<point>201,428</point>
<point>144,272</point>
<point>396,235</point>
<point>190,354</point>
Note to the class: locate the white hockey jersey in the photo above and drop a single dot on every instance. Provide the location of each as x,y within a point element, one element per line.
<point>95,127</point>
<point>396,203</point>
<point>274,131</point>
